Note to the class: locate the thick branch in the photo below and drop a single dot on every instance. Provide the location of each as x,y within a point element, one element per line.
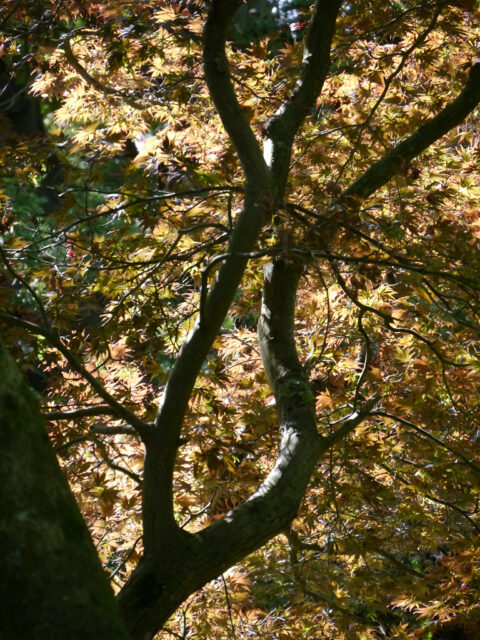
<point>275,328</point>
<point>315,65</point>
<point>161,446</point>
<point>113,431</point>
<point>221,89</point>
<point>51,577</point>
<point>398,157</point>
<point>200,558</point>
<point>162,443</point>
<point>418,42</point>
<point>186,562</point>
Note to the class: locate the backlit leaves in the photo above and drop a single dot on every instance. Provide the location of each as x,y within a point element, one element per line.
<point>385,544</point>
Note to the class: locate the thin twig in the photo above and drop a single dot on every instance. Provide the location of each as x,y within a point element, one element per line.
<point>229,608</point>
<point>201,511</point>
<point>430,436</point>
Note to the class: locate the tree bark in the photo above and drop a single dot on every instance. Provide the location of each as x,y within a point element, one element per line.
<point>52,584</point>
<point>453,114</point>
<point>186,562</point>
<point>177,563</point>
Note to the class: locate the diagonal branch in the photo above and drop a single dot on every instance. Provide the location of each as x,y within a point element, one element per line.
<point>94,82</point>
<point>350,423</point>
<point>162,442</point>
<point>120,410</point>
<point>417,43</point>
<point>429,436</point>
<point>395,160</point>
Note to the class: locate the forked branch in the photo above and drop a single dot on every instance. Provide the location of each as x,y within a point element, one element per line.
<point>164,579</point>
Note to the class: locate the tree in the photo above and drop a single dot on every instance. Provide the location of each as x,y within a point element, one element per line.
<point>357,226</point>
<point>41,523</point>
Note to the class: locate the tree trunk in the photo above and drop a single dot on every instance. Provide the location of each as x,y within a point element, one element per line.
<point>52,584</point>
<point>185,562</point>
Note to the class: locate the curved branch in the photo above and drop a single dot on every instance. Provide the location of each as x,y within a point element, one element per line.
<point>96,84</point>
<point>113,465</point>
<point>162,443</point>
<point>82,72</point>
<point>446,503</point>
<point>219,82</point>
<point>315,66</point>
<point>271,508</point>
<point>187,561</point>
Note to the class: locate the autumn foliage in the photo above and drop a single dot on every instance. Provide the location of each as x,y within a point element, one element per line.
<point>121,221</point>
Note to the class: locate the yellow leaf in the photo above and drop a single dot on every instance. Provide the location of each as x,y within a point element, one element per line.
<point>324,401</point>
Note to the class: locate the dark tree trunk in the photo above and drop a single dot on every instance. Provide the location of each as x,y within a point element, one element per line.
<point>52,586</point>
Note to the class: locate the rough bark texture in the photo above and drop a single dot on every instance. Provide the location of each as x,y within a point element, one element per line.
<point>52,585</point>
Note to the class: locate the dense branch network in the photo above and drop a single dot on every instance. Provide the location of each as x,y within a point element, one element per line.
<point>177,562</point>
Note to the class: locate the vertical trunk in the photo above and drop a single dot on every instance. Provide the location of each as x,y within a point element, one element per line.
<point>52,585</point>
